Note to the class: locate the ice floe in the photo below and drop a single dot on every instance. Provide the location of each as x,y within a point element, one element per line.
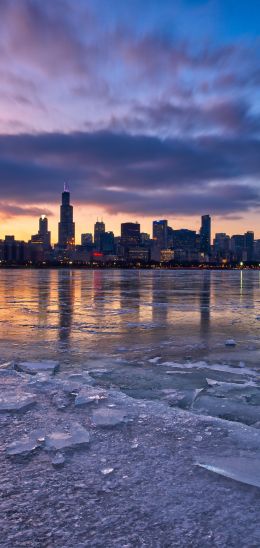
<point>230,342</point>
<point>89,395</point>
<point>49,366</point>
<point>242,469</point>
<point>16,401</point>
<point>76,437</point>
<point>106,417</point>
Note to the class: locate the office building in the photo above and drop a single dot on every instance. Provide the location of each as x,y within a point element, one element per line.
<point>43,232</point>
<point>184,239</point>
<point>87,239</point>
<point>249,246</point>
<point>160,233</point>
<point>166,255</point>
<point>205,235</point>
<point>107,243</point>
<point>99,229</point>
<point>66,224</point>
<point>130,234</point>
<point>221,246</point>
<point>237,246</point>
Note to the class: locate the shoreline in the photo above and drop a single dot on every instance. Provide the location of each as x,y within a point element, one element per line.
<point>103,267</point>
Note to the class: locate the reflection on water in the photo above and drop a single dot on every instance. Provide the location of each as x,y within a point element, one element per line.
<point>66,297</point>
<point>205,296</point>
<point>132,314</point>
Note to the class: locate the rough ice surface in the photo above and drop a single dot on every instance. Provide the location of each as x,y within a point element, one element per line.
<point>88,395</point>
<point>77,437</point>
<point>49,366</point>
<point>121,470</point>
<point>230,342</point>
<point>245,470</point>
<point>58,460</point>
<point>26,445</point>
<point>11,401</point>
<point>109,417</point>
<point>227,408</point>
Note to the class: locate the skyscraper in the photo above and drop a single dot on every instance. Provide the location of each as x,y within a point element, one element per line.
<point>66,224</point>
<point>44,233</point>
<point>249,245</point>
<point>99,229</point>
<point>107,242</point>
<point>205,234</point>
<point>130,234</point>
<point>160,233</point>
<point>86,239</point>
<point>43,236</point>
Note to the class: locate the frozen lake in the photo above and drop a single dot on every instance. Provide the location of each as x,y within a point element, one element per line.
<point>153,334</point>
<point>125,417</point>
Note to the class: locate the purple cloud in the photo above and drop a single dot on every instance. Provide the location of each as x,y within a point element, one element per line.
<point>125,173</point>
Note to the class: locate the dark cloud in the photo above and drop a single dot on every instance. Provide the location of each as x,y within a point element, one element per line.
<point>172,117</point>
<point>215,116</point>
<point>128,173</point>
<point>13,210</point>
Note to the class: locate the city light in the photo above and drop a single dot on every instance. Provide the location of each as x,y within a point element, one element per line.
<point>166,247</point>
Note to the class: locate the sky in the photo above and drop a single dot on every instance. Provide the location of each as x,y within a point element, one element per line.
<point>146,109</point>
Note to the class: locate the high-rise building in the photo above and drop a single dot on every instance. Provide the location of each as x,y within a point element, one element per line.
<point>160,233</point>
<point>257,250</point>
<point>66,224</point>
<point>43,232</point>
<point>205,234</point>
<point>237,246</point>
<point>107,242</point>
<point>86,239</point>
<point>249,246</point>
<point>130,234</point>
<point>99,229</point>
<point>43,237</point>
<point>221,245</point>
<point>184,239</point>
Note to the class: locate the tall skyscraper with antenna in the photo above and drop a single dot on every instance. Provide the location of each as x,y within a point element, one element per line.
<point>66,224</point>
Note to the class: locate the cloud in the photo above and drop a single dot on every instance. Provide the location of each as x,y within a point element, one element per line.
<point>128,173</point>
<point>13,210</point>
<point>66,63</point>
<point>212,117</point>
<point>136,107</point>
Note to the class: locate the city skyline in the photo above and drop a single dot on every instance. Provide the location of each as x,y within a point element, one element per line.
<point>145,115</point>
<point>67,235</point>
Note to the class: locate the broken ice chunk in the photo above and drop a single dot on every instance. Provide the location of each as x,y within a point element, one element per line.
<point>227,409</point>
<point>246,437</point>
<point>243,469</point>
<point>13,401</point>
<point>109,417</point>
<point>155,360</point>
<point>26,445</point>
<point>83,378</point>
<point>67,440</point>
<point>49,366</point>
<point>230,342</point>
<point>88,394</point>
<point>58,460</point>
<point>106,471</point>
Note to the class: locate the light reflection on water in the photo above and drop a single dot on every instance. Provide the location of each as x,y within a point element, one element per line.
<point>78,315</point>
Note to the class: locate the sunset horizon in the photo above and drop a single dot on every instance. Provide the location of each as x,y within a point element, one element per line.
<point>144,116</point>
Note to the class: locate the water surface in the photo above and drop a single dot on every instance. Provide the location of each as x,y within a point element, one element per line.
<point>146,332</point>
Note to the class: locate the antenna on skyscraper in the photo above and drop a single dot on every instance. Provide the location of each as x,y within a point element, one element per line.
<point>66,187</point>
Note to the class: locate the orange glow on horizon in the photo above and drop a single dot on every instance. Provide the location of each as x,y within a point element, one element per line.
<point>22,227</point>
